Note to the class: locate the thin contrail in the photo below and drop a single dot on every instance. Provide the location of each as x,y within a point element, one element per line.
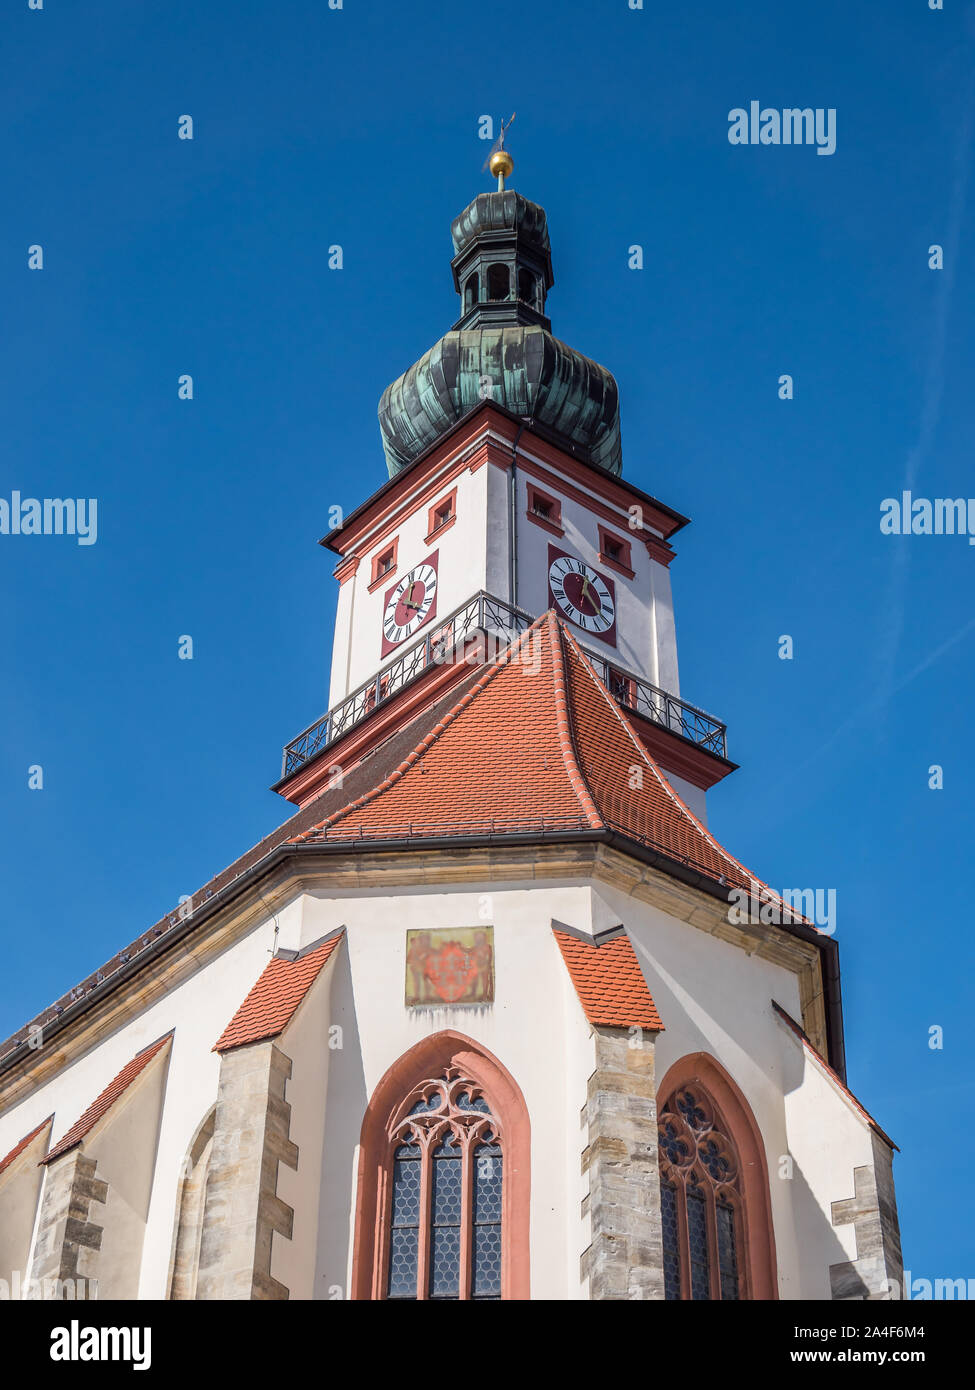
<point>933,392</point>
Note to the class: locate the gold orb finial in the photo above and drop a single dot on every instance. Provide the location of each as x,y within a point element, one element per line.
<point>501,164</point>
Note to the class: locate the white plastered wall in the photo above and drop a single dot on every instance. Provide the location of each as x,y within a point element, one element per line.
<point>715,998</point>
<point>198,1009</point>
<point>535,1028</point>
<point>462,560</point>
<point>123,1145</point>
<point>712,996</point>
<point>20,1191</point>
<point>828,1138</point>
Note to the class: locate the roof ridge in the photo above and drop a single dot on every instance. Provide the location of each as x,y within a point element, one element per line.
<point>563,726</point>
<point>664,783</point>
<point>413,757</point>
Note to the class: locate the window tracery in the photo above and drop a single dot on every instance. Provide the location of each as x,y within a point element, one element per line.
<point>445,1193</point>
<point>702,1211</point>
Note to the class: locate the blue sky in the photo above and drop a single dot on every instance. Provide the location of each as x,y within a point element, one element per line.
<point>359,127</point>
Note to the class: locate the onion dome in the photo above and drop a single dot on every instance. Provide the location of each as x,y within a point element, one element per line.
<point>502,346</point>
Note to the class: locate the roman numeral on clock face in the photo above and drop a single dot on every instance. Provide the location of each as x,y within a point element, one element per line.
<point>410,603</point>
<point>581,594</point>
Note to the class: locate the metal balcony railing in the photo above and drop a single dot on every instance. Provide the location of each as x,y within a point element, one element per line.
<point>500,623</point>
<point>643,697</point>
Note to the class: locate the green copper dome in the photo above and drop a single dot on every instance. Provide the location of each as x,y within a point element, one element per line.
<point>502,347</point>
<point>505,211</point>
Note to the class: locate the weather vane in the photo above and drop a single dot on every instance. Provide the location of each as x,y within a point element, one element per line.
<point>499,161</point>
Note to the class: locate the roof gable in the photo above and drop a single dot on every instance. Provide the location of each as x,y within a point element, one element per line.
<point>112,1093</point>
<point>608,980</point>
<point>271,1004</point>
<point>18,1149</point>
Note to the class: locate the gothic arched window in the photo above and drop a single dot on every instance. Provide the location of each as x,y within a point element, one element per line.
<point>701,1203</point>
<point>444,1172</point>
<point>447,1176</point>
<point>471,291</point>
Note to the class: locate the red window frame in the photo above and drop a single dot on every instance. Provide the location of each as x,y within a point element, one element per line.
<point>426,1130</point>
<point>378,575</point>
<point>550,515</point>
<point>436,527</point>
<point>610,541</point>
<point>699,1161</point>
<point>441,1055</point>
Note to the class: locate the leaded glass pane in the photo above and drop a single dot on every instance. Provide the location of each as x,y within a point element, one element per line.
<point>486,1244</point>
<point>424,1106</point>
<point>486,1255</point>
<point>446,1189</point>
<point>406,1186</point>
<point>446,1212</point>
<point>487,1184</point>
<point>464,1102</point>
<point>445,1262</point>
<point>727,1255</point>
<point>404,1236</point>
<point>668,1215</point>
<point>402,1263</point>
<point>698,1239</point>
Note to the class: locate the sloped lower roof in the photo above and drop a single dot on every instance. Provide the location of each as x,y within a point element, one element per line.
<point>18,1149</point>
<point>112,1092</point>
<point>831,1072</point>
<point>361,777</point>
<point>609,981</point>
<point>530,744</point>
<point>536,743</point>
<point>271,1004</point>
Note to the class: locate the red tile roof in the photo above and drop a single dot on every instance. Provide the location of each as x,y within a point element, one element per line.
<point>609,982</point>
<point>18,1149</point>
<point>536,743</point>
<point>112,1092</point>
<point>269,1007</point>
<point>524,749</point>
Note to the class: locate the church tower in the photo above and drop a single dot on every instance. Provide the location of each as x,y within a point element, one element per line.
<point>493,1014</point>
<point>505,499</point>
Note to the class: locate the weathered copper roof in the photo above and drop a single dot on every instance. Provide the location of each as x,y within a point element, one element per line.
<point>502,346</point>
<point>495,212</point>
<point>532,374</point>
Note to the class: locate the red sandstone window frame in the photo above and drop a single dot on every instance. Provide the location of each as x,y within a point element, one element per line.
<point>750,1202</point>
<point>428,1060</point>
<point>436,522</point>
<point>388,552</point>
<point>615,551</point>
<point>544,510</point>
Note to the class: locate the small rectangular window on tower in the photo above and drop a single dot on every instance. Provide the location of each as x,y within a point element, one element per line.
<point>442,515</point>
<point>544,510</point>
<point>615,551</point>
<point>384,563</point>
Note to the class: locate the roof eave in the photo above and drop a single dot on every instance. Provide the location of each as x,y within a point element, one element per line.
<point>673,868</point>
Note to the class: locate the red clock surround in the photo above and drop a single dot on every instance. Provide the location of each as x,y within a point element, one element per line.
<point>583,595</point>
<point>409,604</point>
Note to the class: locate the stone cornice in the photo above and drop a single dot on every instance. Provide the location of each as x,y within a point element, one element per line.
<point>291,870</point>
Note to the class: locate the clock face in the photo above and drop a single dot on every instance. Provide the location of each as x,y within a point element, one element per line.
<point>409,604</point>
<point>582,594</point>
